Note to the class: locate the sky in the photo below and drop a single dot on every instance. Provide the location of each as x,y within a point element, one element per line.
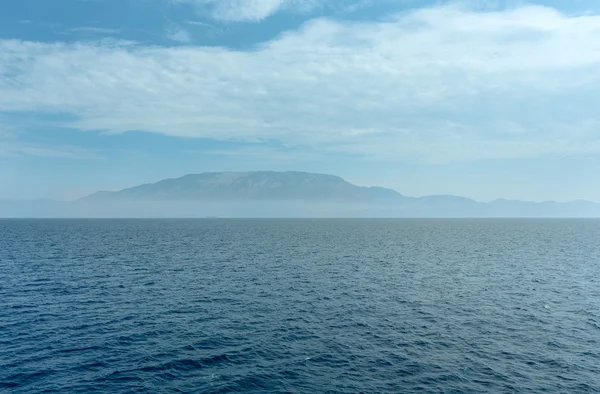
<point>483,99</point>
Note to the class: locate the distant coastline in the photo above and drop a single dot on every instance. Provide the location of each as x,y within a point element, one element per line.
<point>272,194</point>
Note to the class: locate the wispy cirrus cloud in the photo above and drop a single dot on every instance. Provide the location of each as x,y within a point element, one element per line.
<point>12,143</point>
<point>248,10</point>
<point>179,35</point>
<point>266,154</point>
<point>442,84</point>
<point>13,147</point>
<point>95,30</point>
<point>201,24</point>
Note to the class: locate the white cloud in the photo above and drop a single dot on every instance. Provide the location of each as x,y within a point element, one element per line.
<point>12,148</point>
<point>440,85</point>
<point>13,145</point>
<point>201,24</point>
<point>265,153</point>
<point>95,30</point>
<point>247,10</point>
<point>179,35</point>
<point>240,10</point>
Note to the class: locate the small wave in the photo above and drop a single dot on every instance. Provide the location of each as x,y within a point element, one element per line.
<point>251,317</point>
<point>81,349</point>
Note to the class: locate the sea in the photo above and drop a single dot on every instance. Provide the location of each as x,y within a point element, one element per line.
<point>300,306</point>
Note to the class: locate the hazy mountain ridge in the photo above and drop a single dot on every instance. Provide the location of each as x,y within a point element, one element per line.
<point>244,186</point>
<point>281,194</point>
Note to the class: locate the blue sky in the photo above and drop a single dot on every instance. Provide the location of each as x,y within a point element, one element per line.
<point>485,99</point>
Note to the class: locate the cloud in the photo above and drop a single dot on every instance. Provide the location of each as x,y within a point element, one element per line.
<point>201,24</point>
<point>12,143</point>
<point>247,10</point>
<point>179,35</point>
<point>265,154</point>
<point>95,30</point>
<point>12,148</point>
<point>442,84</point>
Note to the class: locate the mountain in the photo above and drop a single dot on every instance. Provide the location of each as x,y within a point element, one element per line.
<point>251,186</point>
<point>282,194</point>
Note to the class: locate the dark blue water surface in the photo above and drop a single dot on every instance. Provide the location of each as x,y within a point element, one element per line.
<point>272,306</point>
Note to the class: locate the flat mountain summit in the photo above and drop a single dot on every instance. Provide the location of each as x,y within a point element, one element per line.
<point>251,186</point>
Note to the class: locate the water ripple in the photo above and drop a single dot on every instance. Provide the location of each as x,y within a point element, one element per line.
<point>328,306</point>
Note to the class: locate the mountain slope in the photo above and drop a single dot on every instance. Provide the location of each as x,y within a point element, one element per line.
<point>250,186</point>
<point>283,194</point>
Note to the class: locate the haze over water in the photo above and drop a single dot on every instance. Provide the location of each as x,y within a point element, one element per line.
<point>338,306</point>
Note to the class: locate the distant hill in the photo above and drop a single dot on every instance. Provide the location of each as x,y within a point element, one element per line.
<point>282,194</point>
<point>251,186</point>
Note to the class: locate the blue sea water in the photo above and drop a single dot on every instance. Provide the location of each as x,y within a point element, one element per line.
<point>299,306</point>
